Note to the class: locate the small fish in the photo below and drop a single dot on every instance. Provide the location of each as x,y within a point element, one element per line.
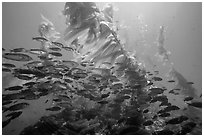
<point>159,98</point>
<point>55,48</point>
<point>68,48</point>
<point>172,91</point>
<point>163,132</point>
<point>65,105</point>
<point>37,51</point>
<point>126,97</point>
<point>14,88</point>
<point>46,101</point>
<point>177,89</point>
<point>17,57</point>
<point>150,83</point>
<point>165,103</point>
<point>68,80</point>
<point>54,109</point>
<point>6,102</point>
<point>64,97</point>
<point>157,79</point>
<point>14,115</point>
<point>117,86</point>
<point>5,123</point>
<point>150,74</point>
<point>187,128</point>
<point>188,98</point>
<point>6,70</point>
<point>58,44</point>
<point>146,111</point>
<point>190,83</point>
<point>57,100</point>
<point>165,115</point>
<point>103,102</point>
<point>168,109</point>
<point>177,120</point>
<point>8,65</point>
<point>105,95</point>
<point>155,91</point>
<point>17,107</point>
<point>148,123</point>
<point>195,104</point>
<point>56,54</point>
<point>40,39</point>
<point>23,77</point>
<point>28,84</point>
<point>170,81</point>
<point>70,64</point>
<point>18,50</point>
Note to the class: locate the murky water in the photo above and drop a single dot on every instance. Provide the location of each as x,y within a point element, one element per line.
<point>140,31</point>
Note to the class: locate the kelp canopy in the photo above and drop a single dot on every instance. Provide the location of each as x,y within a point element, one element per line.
<point>103,90</point>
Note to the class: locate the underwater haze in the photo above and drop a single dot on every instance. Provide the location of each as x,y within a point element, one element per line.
<point>102,68</point>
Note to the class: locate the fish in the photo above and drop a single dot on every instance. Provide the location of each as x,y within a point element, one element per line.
<point>56,54</point>
<point>15,107</point>
<point>68,48</point>
<point>190,83</point>
<point>68,80</point>
<point>195,104</point>
<point>46,101</point>
<point>57,100</point>
<point>64,97</point>
<point>177,89</point>
<point>54,108</point>
<point>155,91</point>
<point>188,98</point>
<point>145,111</point>
<point>157,79</point>
<point>8,65</point>
<point>165,115</point>
<point>126,97</point>
<point>3,49</point>
<point>55,48</point>
<point>163,132</point>
<point>172,91</point>
<point>70,64</point>
<point>148,123</point>
<point>17,57</point>
<point>6,70</point>
<point>103,102</point>
<point>6,102</point>
<point>14,88</point>
<point>159,98</point>
<point>150,83</point>
<point>177,120</point>
<point>165,103</point>
<point>37,51</point>
<point>168,109</point>
<point>18,50</point>
<point>187,128</point>
<point>14,115</point>
<point>105,95</point>
<point>117,86</point>
<point>40,39</point>
<point>58,44</point>
<point>23,77</point>
<point>29,84</point>
<point>170,81</point>
<point>5,123</point>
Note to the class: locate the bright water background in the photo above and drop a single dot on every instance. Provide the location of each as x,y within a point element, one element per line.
<point>140,26</point>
